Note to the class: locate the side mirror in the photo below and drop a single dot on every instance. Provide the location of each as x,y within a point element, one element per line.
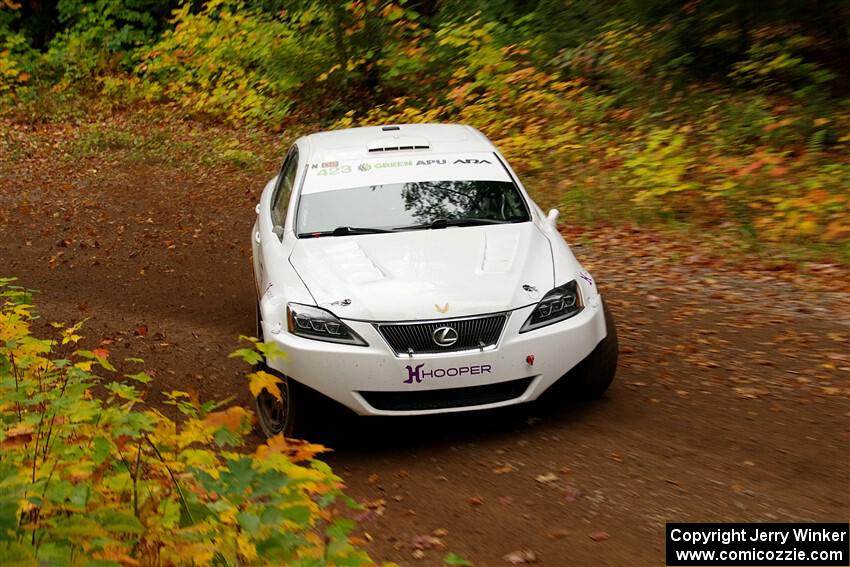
<point>552,217</point>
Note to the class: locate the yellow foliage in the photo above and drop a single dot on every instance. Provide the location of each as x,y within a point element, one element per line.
<point>136,488</point>
<point>262,380</point>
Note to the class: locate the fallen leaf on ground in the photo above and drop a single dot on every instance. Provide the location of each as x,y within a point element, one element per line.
<point>521,557</point>
<point>475,500</point>
<point>546,478</point>
<point>378,504</point>
<point>749,393</point>
<point>427,541</point>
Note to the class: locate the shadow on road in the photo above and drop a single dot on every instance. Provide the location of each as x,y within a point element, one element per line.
<point>348,433</point>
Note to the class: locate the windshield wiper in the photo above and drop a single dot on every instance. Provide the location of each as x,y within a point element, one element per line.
<point>443,223</point>
<point>343,231</point>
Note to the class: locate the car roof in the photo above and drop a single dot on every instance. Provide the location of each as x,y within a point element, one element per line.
<point>393,140</point>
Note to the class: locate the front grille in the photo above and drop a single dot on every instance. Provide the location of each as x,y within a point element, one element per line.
<point>448,397</point>
<point>417,338</point>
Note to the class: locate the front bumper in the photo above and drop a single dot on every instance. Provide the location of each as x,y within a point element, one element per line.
<point>356,375</point>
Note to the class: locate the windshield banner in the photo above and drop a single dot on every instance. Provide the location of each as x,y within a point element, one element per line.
<point>401,168</point>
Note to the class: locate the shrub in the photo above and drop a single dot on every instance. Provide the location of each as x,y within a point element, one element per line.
<point>12,73</point>
<point>234,61</point>
<point>98,39</point>
<point>214,62</point>
<point>16,55</point>
<point>88,474</point>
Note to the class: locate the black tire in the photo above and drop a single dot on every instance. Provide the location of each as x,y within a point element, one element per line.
<point>277,416</point>
<point>592,376</point>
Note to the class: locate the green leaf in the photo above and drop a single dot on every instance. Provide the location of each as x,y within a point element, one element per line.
<point>120,522</point>
<point>79,496</point>
<point>58,491</point>
<point>340,528</point>
<point>455,559</point>
<point>16,554</point>
<point>248,521</point>
<point>272,350</point>
<point>132,423</point>
<point>298,514</point>
<point>248,355</point>
<point>77,528</point>
<point>124,391</point>
<point>8,512</point>
<point>142,377</point>
<point>239,475</point>
<point>170,513</point>
<point>101,448</point>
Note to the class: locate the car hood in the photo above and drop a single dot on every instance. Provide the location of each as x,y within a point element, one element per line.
<point>427,274</point>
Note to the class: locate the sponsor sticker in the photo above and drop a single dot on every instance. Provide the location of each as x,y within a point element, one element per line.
<point>402,168</point>
<point>419,372</point>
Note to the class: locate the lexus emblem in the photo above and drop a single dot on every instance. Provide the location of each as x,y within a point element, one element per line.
<point>444,336</point>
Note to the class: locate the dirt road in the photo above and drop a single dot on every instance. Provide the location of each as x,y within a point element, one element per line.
<point>731,402</point>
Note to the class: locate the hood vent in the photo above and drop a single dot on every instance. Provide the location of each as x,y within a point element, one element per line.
<point>394,148</point>
<point>398,144</point>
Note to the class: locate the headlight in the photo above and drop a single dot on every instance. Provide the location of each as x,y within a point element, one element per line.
<point>561,303</point>
<point>315,323</point>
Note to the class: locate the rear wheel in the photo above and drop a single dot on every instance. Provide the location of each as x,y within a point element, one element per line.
<point>593,375</point>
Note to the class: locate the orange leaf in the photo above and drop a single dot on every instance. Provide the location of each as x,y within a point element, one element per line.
<point>779,124</point>
<point>231,418</point>
<point>194,398</point>
<point>296,449</point>
<point>817,196</point>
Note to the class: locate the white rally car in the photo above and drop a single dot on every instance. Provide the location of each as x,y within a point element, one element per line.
<point>405,270</point>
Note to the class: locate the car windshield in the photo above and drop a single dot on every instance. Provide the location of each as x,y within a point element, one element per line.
<point>409,206</point>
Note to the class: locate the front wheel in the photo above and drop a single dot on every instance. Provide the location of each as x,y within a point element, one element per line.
<point>595,373</point>
<point>278,416</point>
